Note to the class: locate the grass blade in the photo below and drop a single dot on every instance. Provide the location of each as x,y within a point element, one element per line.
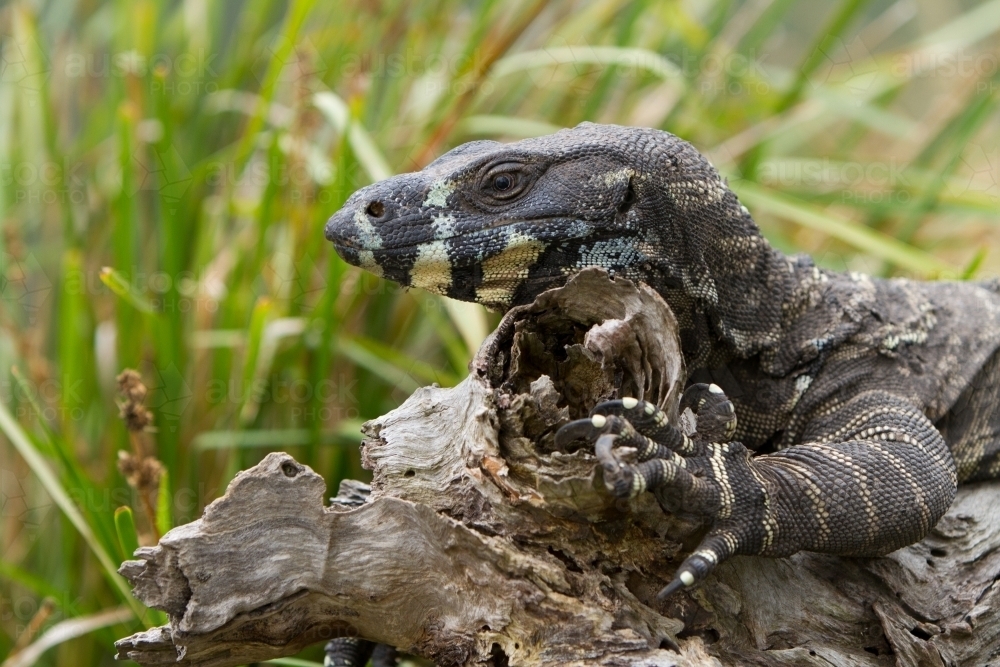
<point>65,631</point>
<point>17,437</point>
<point>164,517</point>
<point>127,535</point>
<point>368,154</point>
<point>634,58</point>
<point>348,431</point>
<point>119,284</point>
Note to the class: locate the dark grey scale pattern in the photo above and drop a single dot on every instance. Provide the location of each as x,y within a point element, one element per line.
<point>355,652</point>
<point>868,398</point>
<point>972,426</point>
<point>875,474</point>
<point>646,448</point>
<point>347,652</point>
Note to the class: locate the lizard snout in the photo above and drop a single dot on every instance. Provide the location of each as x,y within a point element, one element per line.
<point>365,220</point>
<point>359,226</point>
<point>339,230</point>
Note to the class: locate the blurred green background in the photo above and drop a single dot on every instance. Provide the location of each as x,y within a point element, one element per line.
<point>166,167</point>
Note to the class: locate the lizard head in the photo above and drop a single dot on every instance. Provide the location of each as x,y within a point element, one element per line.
<point>499,223</point>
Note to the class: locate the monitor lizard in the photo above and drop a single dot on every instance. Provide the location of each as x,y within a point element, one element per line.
<point>869,398</point>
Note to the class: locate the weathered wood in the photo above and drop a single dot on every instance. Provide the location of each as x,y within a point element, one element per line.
<point>479,544</point>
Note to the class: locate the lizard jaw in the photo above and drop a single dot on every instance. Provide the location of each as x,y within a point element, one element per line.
<point>445,259</point>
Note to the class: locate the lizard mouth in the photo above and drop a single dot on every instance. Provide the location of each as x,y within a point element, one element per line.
<point>532,227</point>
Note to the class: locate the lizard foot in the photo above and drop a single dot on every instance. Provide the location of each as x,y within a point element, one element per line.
<point>347,652</point>
<point>639,450</point>
<point>355,652</point>
<point>715,412</point>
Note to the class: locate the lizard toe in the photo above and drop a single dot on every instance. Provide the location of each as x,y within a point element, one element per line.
<point>716,414</point>
<point>716,547</point>
<point>645,419</point>
<point>588,430</point>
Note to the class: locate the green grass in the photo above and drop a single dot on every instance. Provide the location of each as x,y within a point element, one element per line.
<point>166,168</point>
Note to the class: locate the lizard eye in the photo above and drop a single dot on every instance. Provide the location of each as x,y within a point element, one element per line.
<point>503,182</point>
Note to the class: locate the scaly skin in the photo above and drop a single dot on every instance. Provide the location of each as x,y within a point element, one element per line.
<point>873,397</point>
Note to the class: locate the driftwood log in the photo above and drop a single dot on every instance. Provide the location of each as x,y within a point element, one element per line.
<point>478,543</point>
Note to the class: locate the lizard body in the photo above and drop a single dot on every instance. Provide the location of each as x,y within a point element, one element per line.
<point>871,398</point>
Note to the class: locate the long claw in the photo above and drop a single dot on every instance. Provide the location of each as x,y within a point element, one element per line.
<point>693,570</point>
<point>581,429</point>
<point>602,450</point>
<point>621,477</point>
<point>713,549</point>
<point>670,589</point>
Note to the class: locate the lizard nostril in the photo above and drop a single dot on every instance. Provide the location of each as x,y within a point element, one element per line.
<point>375,209</point>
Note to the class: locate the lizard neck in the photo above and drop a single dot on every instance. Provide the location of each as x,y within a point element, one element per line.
<point>730,298</point>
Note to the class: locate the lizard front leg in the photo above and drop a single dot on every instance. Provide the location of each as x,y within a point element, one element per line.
<point>873,475</point>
